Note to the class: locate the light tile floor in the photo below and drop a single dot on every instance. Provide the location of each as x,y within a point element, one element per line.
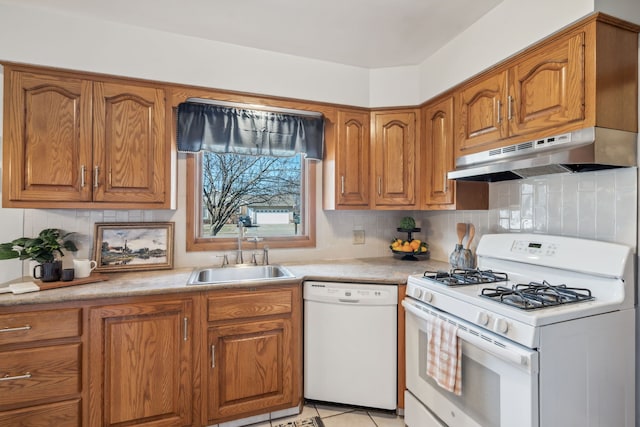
<point>341,416</point>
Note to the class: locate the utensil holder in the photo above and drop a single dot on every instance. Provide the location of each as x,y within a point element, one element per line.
<point>466,259</point>
<point>454,258</point>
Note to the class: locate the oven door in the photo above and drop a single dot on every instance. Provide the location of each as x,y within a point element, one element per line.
<point>499,378</point>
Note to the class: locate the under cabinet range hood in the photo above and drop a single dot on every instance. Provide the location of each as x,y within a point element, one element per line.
<point>583,150</point>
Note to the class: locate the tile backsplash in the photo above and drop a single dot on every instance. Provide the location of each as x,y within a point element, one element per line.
<point>596,205</point>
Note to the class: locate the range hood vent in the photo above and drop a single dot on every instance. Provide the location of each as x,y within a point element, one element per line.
<point>583,150</point>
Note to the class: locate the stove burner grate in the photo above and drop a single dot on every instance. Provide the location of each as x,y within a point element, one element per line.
<point>465,276</point>
<point>536,295</point>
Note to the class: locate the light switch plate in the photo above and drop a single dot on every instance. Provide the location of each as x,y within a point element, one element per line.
<point>358,237</point>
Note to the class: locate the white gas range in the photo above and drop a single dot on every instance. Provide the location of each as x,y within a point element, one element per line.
<point>547,331</point>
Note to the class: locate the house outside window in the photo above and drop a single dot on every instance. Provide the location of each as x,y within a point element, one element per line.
<point>273,197</point>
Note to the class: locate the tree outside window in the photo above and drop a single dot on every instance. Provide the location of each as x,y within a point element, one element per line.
<point>274,197</point>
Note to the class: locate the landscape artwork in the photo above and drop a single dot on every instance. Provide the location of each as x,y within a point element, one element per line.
<point>134,246</point>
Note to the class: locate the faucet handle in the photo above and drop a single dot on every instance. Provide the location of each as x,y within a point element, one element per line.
<point>254,259</point>
<point>265,255</point>
<point>225,259</point>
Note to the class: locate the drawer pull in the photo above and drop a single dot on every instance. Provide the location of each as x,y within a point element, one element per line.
<point>25,376</point>
<point>18,328</point>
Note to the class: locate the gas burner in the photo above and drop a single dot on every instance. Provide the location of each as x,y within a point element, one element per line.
<point>465,276</point>
<point>536,295</point>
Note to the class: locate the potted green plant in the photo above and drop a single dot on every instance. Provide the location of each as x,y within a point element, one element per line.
<point>43,249</point>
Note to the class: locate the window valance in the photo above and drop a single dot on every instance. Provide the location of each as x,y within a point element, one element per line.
<point>223,129</point>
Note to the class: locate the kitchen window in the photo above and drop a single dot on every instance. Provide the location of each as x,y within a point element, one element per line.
<point>274,198</point>
<point>249,171</point>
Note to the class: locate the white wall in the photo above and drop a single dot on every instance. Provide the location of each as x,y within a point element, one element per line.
<point>627,9</point>
<point>601,205</point>
<point>46,38</point>
<point>505,30</point>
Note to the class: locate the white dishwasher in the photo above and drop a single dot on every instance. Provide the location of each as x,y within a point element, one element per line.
<point>350,343</point>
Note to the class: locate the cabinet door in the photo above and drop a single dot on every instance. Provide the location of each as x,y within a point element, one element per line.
<point>437,158</point>
<point>547,89</point>
<point>47,146</point>
<point>395,153</point>
<point>352,158</point>
<point>129,143</point>
<point>480,114</point>
<point>140,360</point>
<point>250,369</point>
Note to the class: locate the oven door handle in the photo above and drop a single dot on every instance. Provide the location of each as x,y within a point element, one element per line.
<point>524,358</point>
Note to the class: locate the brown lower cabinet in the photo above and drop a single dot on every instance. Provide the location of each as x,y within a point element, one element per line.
<point>40,367</point>
<point>140,363</point>
<point>254,362</point>
<point>190,359</point>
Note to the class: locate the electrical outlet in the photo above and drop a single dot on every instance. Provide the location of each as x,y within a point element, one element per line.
<point>358,237</point>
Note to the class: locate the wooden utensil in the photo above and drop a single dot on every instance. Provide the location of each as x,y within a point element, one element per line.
<point>472,233</point>
<point>461,229</point>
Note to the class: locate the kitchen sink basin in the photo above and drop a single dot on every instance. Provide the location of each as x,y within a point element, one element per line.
<point>238,274</point>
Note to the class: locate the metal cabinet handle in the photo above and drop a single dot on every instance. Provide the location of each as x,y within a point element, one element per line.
<point>509,100</point>
<point>213,356</point>
<point>379,186</point>
<point>24,376</point>
<point>185,332</point>
<point>499,112</point>
<point>96,172</point>
<point>17,328</point>
<point>446,182</point>
<point>342,184</point>
<point>83,171</point>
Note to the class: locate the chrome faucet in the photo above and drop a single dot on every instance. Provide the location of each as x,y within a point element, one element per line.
<point>239,259</point>
<point>254,254</point>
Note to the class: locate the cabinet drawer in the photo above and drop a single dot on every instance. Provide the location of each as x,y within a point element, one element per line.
<point>61,414</point>
<point>31,375</point>
<point>39,325</point>
<point>254,304</point>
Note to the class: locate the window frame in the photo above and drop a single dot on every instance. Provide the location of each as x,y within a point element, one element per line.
<point>194,213</point>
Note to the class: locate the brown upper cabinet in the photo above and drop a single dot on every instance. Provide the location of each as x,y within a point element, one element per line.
<point>74,142</point>
<point>394,148</point>
<point>347,161</point>
<point>584,76</point>
<point>437,158</point>
<point>371,159</point>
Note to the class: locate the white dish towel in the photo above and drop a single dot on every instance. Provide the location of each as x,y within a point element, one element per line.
<point>444,355</point>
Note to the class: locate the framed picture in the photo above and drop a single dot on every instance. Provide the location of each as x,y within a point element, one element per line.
<point>133,246</point>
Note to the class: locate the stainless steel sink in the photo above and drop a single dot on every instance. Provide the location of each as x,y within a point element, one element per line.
<point>238,274</point>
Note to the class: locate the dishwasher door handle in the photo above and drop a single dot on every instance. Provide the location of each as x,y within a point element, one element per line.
<point>351,301</point>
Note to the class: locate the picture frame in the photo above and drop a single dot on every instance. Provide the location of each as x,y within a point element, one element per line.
<point>133,246</point>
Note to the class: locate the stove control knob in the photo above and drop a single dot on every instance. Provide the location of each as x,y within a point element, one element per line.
<point>482,318</point>
<point>417,293</point>
<point>501,326</point>
<point>428,296</point>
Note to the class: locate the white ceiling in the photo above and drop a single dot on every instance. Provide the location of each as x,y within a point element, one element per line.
<point>363,33</point>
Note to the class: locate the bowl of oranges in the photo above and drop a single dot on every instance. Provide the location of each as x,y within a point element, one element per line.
<point>409,250</point>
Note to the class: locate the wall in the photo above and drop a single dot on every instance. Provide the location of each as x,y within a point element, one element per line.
<point>599,205</point>
<point>47,38</point>
<point>505,30</point>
